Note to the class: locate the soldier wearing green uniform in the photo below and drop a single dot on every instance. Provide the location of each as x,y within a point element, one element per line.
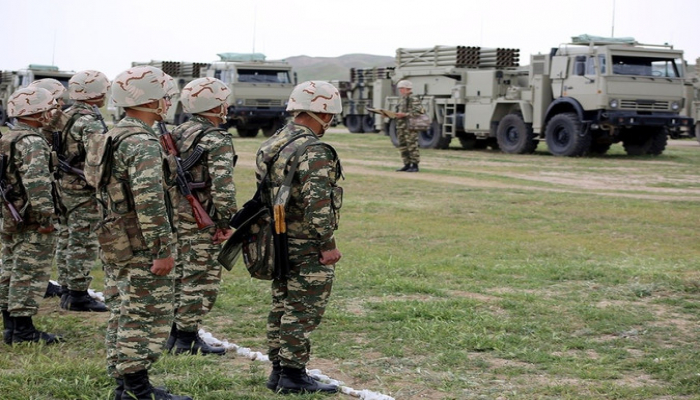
<point>28,221</point>
<point>136,235</point>
<point>208,156</point>
<point>409,106</point>
<point>299,300</point>
<point>87,88</point>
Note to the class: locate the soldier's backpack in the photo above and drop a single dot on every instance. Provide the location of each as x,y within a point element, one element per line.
<point>98,159</point>
<point>259,228</point>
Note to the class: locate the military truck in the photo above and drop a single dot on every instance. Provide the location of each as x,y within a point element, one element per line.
<point>580,98</point>
<point>10,81</point>
<point>692,99</point>
<point>259,89</point>
<point>366,88</point>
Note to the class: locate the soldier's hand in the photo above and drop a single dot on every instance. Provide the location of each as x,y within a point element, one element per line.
<point>221,235</point>
<point>401,115</point>
<point>45,229</point>
<point>162,266</point>
<point>330,257</point>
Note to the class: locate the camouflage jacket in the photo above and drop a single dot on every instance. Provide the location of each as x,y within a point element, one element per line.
<point>214,169</point>
<point>315,199</point>
<point>29,172</point>
<point>82,122</point>
<point>410,105</point>
<point>138,190</point>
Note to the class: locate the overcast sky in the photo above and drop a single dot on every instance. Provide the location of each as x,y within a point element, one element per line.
<point>107,35</point>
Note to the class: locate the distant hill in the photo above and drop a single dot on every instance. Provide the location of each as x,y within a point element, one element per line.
<point>335,68</point>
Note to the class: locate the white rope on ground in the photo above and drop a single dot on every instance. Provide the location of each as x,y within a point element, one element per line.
<point>314,373</point>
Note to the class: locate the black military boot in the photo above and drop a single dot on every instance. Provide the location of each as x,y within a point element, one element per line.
<point>171,339</point>
<point>274,378</point>
<point>53,290</point>
<point>26,332</point>
<point>190,342</point>
<point>138,387</point>
<point>119,389</point>
<point>404,168</point>
<point>413,167</point>
<point>64,296</point>
<point>9,324</point>
<point>293,380</point>
<point>80,300</point>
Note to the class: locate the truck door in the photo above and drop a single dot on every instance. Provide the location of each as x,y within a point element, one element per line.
<point>582,83</point>
<point>558,74</point>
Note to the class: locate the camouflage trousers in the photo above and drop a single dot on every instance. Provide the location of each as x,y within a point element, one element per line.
<point>197,275</point>
<point>140,314</point>
<point>408,143</point>
<point>26,266</point>
<point>298,304</point>
<point>78,247</point>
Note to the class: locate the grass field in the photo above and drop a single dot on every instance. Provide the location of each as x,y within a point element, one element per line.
<point>484,276</point>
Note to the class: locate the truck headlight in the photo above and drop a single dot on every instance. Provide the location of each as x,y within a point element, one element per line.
<point>613,103</point>
<point>675,106</point>
<point>239,102</point>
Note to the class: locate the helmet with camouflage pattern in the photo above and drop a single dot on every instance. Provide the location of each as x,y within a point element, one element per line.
<point>138,85</point>
<point>171,86</point>
<point>29,101</point>
<point>203,94</point>
<point>315,96</point>
<point>54,87</point>
<point>87,85</point>
<point>404,84</point>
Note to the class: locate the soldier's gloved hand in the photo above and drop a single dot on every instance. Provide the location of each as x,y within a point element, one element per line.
<point>330,257</point>
<point>45,229</point>
<point>162,266</point>
<point>221,235</point>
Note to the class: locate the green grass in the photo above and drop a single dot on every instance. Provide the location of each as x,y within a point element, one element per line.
<point>484,276</point>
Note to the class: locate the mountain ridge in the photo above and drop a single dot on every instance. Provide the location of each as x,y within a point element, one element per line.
<point>334,68</point>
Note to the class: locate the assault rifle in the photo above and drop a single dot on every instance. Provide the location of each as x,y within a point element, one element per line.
<point>200,215</point>
<point>98,116</point>
<point>6,191</point>
<point>63,163</point>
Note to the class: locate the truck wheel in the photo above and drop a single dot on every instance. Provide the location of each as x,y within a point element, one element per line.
<point>247,132</point>
<point>392,133</point>
<point>470,142</point>
<point>659,139</point>
<point>354,123</point>
<point>432,138</point>
<point>514,136</point>
<point>368,123</point>
<point>272,129</point>
<point>599,148</point>
<point>565,136</point>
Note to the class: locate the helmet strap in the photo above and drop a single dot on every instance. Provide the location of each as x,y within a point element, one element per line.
<point>160,110</point>
<point>324,125</point>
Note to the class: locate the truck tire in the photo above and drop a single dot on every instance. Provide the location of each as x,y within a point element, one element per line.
<point>644,141</point>
<point>659,139</point>
<point>514,136</point>
<point>271,129</point>
<point>368,124</point>
<point>247,132</point>
<point>353,123</point>
<point>432,138</point>
<point>392,133</point>
<point>565,136</point>
<point>599,148</point>
<point>470,142</point>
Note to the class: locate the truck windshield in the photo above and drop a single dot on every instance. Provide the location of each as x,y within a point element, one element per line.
<point>263,76</point>
<point>646,66</point>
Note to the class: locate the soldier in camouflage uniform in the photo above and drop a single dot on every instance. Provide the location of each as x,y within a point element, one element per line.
<point>299,301</point>
<point>136,235</point>
<point>208,155</point>
<point>56,123</point>
<point>87,88</point>
<point>409,106</point>
<point>28,244</point>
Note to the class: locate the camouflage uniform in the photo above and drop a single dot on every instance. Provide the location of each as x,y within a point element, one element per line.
<point>198,271</point>
<point>408,138</point>
<point>79,199</point>
<point>27,254</point>
<point>298,304</point>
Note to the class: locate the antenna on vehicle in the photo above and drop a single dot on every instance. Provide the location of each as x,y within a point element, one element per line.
<point>612,34</point>
<point>53,51</point>
<point>255,21</point>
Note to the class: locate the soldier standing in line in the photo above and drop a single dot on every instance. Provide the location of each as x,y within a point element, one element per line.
<point>209,158</point>
<point>299,300</point>
<point>87,88</point>
<point>136,237</point>
<point>28,221</point>
<point>409,106</point>
<point>56,123</point>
